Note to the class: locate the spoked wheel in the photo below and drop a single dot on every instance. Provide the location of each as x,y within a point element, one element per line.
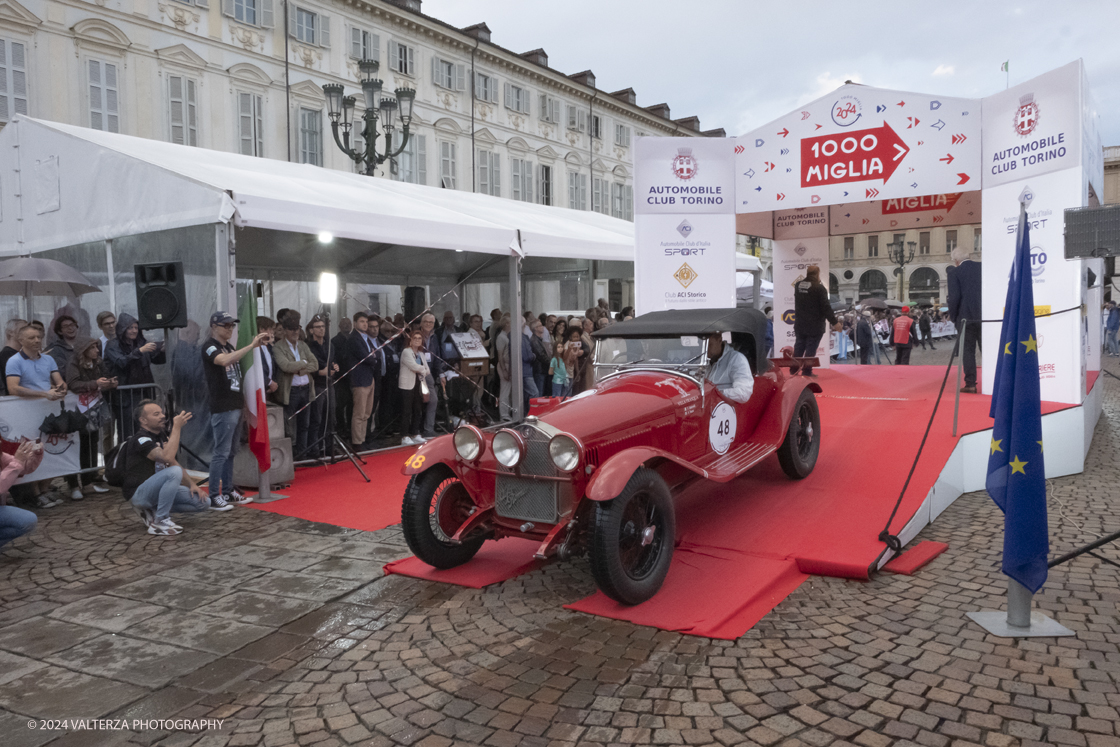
<point>632,542</point>
<point>798,453</point>
<point>435,505</point>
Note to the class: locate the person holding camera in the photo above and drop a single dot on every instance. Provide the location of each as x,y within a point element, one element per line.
<point>32,375</point>
<point>129,358</point>
<point>154,483</point>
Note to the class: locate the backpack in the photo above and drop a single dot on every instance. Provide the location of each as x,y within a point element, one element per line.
<point>115,464</point>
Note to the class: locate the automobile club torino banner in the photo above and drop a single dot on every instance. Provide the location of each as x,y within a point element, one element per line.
<point>1032,139</point>
<point>792,257</point>
<point>684,216</point>
<point>860,143</point>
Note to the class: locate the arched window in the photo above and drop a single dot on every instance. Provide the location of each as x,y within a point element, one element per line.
<point>833,286</point>
<point>925,284</point>
<point>872,284</point>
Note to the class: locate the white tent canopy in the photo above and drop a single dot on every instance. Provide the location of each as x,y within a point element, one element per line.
<point>62,185</point>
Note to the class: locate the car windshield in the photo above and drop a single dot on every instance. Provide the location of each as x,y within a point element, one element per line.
<point>683,353</point>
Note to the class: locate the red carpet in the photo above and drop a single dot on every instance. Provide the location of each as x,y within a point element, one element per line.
<point>915,558</point>
<point>745,535</point>
<point>338,495</point>
<point>495,562</point>
<point>742,546</point>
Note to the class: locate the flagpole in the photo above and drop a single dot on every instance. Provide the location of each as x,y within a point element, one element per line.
<point>1018,621</point>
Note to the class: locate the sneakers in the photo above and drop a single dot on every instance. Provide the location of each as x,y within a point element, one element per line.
<point>76,494</point>
<point>98,489</point>
<point>218,503</point>
<point>145,515</point>
<point>49,499</point>
<point>406,441</point>
<point>237,498</point>
<point>419,440</point>
<point>164,528</point>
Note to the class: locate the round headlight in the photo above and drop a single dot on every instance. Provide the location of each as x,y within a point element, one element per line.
<point>468,442</point>
<point>565,452</point>
<point>507,448</point>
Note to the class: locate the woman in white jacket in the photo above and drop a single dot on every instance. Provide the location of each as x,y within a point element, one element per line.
<point>413,371</point>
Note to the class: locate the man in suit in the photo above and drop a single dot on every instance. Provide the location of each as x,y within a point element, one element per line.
<point>343,401</point>
<point>363,378</point>
<point>965,311</point>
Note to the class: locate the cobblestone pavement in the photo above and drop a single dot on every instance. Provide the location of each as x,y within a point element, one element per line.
<point>286,631</point>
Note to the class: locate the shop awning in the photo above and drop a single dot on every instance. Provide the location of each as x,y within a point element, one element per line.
<point>62,185</point>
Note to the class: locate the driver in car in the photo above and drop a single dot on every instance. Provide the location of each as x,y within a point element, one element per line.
<point>728,370</point>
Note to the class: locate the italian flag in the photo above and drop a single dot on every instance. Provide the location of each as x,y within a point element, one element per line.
<point>252,384</point>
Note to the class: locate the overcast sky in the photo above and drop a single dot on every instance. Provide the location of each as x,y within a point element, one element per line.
<point>739,64</point>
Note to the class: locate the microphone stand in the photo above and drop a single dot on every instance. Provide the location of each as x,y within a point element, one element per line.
<point>332,418</point>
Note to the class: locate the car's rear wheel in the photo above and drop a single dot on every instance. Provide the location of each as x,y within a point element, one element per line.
<point>798,453</point>
<point>435,505</point>
<point>632,541</point>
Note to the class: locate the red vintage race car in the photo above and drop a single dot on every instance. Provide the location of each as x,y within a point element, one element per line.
<point>596,473</point>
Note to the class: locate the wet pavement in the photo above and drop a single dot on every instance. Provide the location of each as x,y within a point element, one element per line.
<point>287,633</point>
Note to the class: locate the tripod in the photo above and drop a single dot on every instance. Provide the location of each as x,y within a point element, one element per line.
<point>333,441</point>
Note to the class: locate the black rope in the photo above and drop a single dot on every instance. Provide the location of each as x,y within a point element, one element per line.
<point>891,540</point>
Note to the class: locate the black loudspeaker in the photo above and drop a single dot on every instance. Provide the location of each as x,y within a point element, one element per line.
<point>415,301</point>
<point>161,295</point>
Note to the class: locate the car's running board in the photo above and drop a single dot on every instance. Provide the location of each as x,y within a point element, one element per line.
<point>737,461</point>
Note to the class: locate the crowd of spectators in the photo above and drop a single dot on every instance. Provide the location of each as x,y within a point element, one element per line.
<point>389,377</point>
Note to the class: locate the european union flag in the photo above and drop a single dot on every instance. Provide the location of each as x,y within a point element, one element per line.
<point>1016,473</point>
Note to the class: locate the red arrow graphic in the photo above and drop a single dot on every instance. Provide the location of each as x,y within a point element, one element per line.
<point>804,116</point>
<point>819,126</point>
<point>938,218</point>
<point>781,196</point>
<point>872,193</point>
<point>947,159</point>
<point>913,122</point>
<point>958,139</point>
<point>901,103</point>
<point>769,167</point>
<point>739,149</point>
<point>859,156</point>
<point>866,221</point>
<point>964,178</point>
<point>783,132</point>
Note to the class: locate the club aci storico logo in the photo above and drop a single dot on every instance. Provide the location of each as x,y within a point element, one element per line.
<point>1026,116</point>
<point>684,164</point>
<point>685,275</point>
<point>846,111</point>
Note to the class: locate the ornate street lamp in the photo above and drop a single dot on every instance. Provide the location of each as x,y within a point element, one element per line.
<point>340,109</point>
<point>898,254</point>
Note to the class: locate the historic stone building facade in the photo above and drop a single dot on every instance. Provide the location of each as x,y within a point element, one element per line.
<point>860,266</point>
<point>214,73</point>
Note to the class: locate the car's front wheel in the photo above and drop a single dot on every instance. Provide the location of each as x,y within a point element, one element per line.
<point>632,541</point>
<point>435,505</point>
<point>798,453</point>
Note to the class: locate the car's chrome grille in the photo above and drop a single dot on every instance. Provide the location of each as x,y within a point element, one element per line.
<point>527,499</point>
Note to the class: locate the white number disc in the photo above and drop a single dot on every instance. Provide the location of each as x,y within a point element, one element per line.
<point>721,428</point>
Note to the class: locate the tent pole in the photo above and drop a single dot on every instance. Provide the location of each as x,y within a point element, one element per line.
<point>225,269</point>
<point>517,383</point>
<point>758,287</point>
<point>112,288</point>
